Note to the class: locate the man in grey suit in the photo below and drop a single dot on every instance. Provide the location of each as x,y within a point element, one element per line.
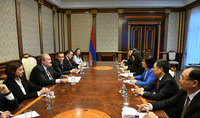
<point>186,101</point>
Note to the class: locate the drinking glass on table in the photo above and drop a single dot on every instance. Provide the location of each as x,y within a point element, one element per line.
<point>73,80</point>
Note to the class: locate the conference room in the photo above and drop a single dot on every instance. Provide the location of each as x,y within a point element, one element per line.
<point>99,58</point>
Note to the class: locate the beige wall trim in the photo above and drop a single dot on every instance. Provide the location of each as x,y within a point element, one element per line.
<point>181,31</point>
<point>19,29</point>
<point>69,29</point>
<point>54,32</point>
<point>158,49</point>
<point>63,32</point>
<point>166,11</point>
<point>94,12</point>
<point>120,13</point>
<point>58,32</point>
<point>40,25</point>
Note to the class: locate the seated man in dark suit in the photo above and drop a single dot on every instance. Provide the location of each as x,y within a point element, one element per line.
<point>70,64</point>
<point>43,74</point>
<point>186,101</point>
<point>60,67</point>
<point>165,85</point>
<point>7,100</point>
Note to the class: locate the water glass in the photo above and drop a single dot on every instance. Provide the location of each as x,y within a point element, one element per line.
<point>73,80</point>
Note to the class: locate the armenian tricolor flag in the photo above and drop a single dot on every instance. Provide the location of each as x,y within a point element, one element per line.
<point>92,51</point>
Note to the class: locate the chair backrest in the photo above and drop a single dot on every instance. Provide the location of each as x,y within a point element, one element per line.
<point>28,63</point>
<point>172,55</point>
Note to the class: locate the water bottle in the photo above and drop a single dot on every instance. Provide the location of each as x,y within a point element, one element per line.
<point>81,70</point>
<point>48,101</point>
<point>90,62</point>
<point>123,88</point>
<point>126,98</point>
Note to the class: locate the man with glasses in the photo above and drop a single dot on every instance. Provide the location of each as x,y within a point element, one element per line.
<point>164,84</point>
<point>186,101</point>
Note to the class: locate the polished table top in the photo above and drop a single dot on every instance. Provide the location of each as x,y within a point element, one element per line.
<point>98,89</point>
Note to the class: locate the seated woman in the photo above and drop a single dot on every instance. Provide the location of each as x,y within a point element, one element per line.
<point>136,64</point>
<point>147,77</point>
<point>129,59</point>
<point>18,84</point>
<point>77,56</point>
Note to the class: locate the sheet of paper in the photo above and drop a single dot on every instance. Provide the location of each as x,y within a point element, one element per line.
<point>131,112</point>
<point>76,79</point>
<point>126,74</point>
<point>30,114</point>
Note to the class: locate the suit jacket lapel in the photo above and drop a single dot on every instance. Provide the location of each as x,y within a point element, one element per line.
<point>44,71</point>
<point>192,104</point>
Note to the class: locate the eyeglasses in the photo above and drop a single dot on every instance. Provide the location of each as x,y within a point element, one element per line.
<point>182,78</point>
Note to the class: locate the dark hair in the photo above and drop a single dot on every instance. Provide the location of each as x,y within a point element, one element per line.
<point>68,51</point>
<point>149,61</point>
<point>163,64</point>
<point>138,57</point>
<point>11,69</point>
<point>60,53</point>
<point>195,75</point>
<point>76,52</point>
<point>41,58</point>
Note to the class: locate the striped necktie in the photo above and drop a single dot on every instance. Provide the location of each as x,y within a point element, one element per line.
<point>187,101</point>
<point>70,63</point>
<point>51,78</point>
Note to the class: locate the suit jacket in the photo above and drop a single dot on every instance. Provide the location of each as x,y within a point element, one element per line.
<point>145,80</point>
<point>68,65</point>
<point>39,76</point>
<point>6,104</point>
<point>60,68</point>
<point>30,88</point>
<point>178,101</point>
<point>166,89</point>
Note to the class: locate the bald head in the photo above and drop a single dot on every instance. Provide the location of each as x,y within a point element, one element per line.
<point>45,60</point>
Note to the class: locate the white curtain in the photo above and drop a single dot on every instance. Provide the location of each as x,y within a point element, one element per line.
<point>192,52</point>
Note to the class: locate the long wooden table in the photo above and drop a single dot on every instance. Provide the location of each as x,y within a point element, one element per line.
<point>98,89</point>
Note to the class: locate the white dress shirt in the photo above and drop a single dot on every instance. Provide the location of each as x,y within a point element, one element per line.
<point>78,60</point>
<point>45,68</point>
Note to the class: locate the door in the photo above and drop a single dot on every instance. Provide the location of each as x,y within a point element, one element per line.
<point>143,38</point>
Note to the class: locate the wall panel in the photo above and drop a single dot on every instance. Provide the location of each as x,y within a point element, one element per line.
<point>107,32</point>
<point>173,31</point>
<point>8,31</point>
<point>30,27</point>
<point>47,30</point>
<point>81,25</point>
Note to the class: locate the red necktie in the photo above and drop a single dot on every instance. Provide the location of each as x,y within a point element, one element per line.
<point>158,82</point>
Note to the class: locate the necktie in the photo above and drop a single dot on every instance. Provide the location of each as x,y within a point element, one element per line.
<point>51,78</point>
<point>185,106</point>
<point>158,82</point>
<point>70,63</point>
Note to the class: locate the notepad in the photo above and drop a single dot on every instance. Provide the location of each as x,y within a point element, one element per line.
<point>131,112</point>
<point>126,74</point>
<point>77,79</point>
<point>30,114</point>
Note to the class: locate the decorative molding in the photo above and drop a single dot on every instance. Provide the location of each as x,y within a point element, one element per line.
<point>69,31</point>
<point>40,2</point>
<point>40,26</point>
<point>54,30</point>
<point>19,29</point>
<point>159,36</point>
